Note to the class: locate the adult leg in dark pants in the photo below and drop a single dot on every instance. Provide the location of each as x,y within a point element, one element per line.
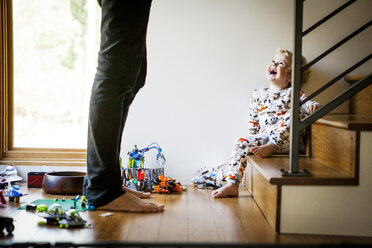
<point>120,74</point>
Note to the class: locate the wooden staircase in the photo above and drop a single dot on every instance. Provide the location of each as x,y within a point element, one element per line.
<point>337,200</point>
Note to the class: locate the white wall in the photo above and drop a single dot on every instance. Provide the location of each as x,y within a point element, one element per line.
<point>206,56</point>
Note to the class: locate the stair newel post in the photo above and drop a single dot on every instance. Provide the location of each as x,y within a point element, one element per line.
<point>295,97</point>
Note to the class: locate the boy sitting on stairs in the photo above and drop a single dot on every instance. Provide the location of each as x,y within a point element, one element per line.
<point>269,120</point>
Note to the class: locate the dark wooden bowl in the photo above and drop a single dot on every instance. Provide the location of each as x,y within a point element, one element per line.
<point>64,182</point>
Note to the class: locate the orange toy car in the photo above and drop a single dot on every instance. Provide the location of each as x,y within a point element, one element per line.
<point>167,185</point>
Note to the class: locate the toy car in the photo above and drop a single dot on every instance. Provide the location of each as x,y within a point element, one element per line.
<point>53,215</point>
<point>7,223</point>
<point>73,219</point>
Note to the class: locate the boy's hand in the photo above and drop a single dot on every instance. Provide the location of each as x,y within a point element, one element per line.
<point>311,109</point>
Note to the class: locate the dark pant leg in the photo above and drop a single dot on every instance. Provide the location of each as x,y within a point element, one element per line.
<point>120,74</point>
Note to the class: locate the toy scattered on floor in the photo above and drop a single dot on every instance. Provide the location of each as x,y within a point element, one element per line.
<point>83,201</point>
<point>31,207</point>
<point>73,219</point>
<point>55,215</point>
<point>42,208</point>
<point>137,179</point>
<point>167,185</point>
<point>2,198</point>
<point>10,170</point>
<point>9,175</point>
<point>136,157</point>
<point>7,224</point>
<point>135,176</point>
<point>65,204</point>
<point>13,192</point>
<point>210,178</point>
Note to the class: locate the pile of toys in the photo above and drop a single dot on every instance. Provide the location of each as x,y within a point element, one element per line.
<point>210,177</point>
<point>136,177</point>
<point>167,185</point>
<point>55,215</point>
<point>141,179</point>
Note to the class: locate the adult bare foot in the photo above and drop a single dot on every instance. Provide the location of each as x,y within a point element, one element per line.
<point>131,203</point>
<point>263,151</point>
<point>137,193</point>
<point>228,190</point>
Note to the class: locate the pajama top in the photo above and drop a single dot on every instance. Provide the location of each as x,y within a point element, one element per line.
<point>269,114</point>
<point>269,122</point>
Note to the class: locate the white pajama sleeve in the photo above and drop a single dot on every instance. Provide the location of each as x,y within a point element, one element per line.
<point>253,121</point>
<point>304,107</point>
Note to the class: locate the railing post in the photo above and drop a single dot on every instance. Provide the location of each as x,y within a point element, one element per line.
<point>296,88</point>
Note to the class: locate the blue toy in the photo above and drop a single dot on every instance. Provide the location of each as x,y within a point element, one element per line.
<point>13,192</point>
<point>136,158</point>
<point>135,176</point>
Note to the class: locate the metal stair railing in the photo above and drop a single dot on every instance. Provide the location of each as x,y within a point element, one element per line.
<point>296,124</point>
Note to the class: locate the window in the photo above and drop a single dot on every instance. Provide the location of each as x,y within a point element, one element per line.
<point>48,60</point>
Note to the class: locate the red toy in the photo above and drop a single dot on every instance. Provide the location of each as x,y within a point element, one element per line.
<point>167,185</point>
<point>2,198</point>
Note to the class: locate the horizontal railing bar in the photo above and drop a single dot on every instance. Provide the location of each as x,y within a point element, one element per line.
<point>348,93</point>
<point>330,83</point>
<point>337,45</point>
<point>329,16</point>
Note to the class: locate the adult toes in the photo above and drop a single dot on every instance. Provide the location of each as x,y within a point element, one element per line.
<point>156,205</point>
<point>145,195</point>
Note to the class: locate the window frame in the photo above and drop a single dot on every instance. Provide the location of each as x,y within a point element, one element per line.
<point>22,155</point>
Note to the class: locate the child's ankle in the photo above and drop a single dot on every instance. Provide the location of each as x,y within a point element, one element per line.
<point>232,184</point>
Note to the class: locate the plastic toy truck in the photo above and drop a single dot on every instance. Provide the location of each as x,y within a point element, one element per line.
<point>6,223</point>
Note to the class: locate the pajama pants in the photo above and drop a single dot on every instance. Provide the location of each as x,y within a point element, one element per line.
<point>239,153</point>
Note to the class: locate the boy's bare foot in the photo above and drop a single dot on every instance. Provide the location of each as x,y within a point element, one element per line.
<point>228,190</point>
<point>263,151</point>
<point>137,193</point>
<point>132,203</point>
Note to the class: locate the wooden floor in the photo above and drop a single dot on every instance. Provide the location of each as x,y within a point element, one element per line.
<point>192,217</point>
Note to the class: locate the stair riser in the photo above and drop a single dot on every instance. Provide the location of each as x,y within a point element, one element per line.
<point>266,196</point>
<point>333,210</point>
<point>361,103</point>
<point>335,146</point>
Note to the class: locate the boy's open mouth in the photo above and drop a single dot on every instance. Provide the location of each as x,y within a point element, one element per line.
<point>272,72</point>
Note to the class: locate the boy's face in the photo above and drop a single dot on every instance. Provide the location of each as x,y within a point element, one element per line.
<point>278,70</point>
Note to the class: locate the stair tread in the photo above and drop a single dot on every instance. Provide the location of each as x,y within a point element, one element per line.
<point>348,121</point>
<point>355,78</point>
<point>322,174</point>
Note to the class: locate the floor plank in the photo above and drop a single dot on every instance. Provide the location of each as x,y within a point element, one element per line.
<point>256,228</point>
<point>174,222</point>
<point>201,225</point>
<point>193,216</point>
<point>229,226</point>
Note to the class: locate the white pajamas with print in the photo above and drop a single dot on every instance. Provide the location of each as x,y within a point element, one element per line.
<point>269,122</point>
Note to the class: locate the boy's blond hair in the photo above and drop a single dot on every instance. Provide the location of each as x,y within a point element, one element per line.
<point>305,73</point>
